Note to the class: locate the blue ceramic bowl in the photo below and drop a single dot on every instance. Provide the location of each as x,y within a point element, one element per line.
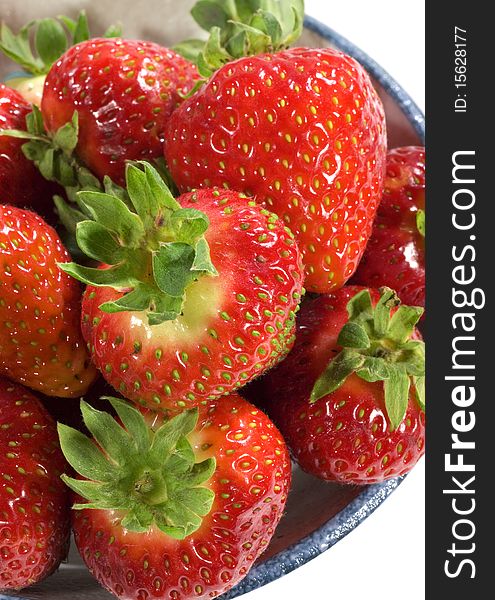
<point>318,514</point>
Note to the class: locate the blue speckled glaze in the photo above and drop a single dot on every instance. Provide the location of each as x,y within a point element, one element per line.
<point>372,496</point>
<point>320,540</point>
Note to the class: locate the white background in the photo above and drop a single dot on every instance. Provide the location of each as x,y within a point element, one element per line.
<point>383,559</point>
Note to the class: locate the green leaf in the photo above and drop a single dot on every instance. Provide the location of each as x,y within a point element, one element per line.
<point>84,456</point>
<point>166,308</point>
<point>419,386</point>
<point>374,369</point>
<point>50,40</point>
<point>117,277</point>
<point>34,122</point>
<point>113,214</point>
<point>337,371</point>
<point>114,31</point>
<point>214,55</point>
<point>388,300</point>
<point>189,224</point>
<point>402,323</point>
<point>396,395</point>
<point>138,520</point>
<point>202,260</point>
<point>138,300</point>
<point>46,164</point>
<point>69,216</point>
<point>172,268</point>
<point>66,136</point>
<point>111,437</point>
<point>413,357</point>
<point>18,49</point>
<point>421,222</point>
<point>20,134</point>
<point>181,521</point>
<point>81,29</point>
<point>133,421</point>
<point>269,24</point>
<point>360,307</point>
<point>166,438</point>
<point>353,335</point>
<point>148,193</point>
<point>183,460</point>
<point>198,500</point>
<point>189,49</point>
<point>200,473</point>
<point>97,242</point>
<point>208,14</point>
<point>91,490</point>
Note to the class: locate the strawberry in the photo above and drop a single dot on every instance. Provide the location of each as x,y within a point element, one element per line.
<point>40,339</point>
<point>38,45</point>
<point>34,503</point>
<point>20,182</point>
<point>194,296</point>
<point>301,130</point>
<point>395,255</point>
<point>349,398</point>
<point>179,508</point>
<point>123,91</point>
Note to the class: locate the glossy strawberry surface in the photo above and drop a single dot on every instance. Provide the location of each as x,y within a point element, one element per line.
<point>20,182</point>
<point>233,326</point>
<point>124,92</point>
<point>345,436</point>
<point>304,132</point>
<point>41,344</point>
<point>395,255</point>
<point>34,502</point>
<point>251,482</point>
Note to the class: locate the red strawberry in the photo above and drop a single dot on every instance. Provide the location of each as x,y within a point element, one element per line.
<point>40,338</point>
<point>354,416</point>
<point>395,255</point>
<point>194,303</point>
<point>124,92</point>
<point>34,508</point>
<point>180,510</point>
<point>304,132</point>
<point>20,182</point>
<point>39,44</point>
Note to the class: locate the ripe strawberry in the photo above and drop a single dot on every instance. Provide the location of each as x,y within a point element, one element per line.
<point>20,182</point>
<point>124,92</point>
<point>349,397</point>
<point>194,304</point>
<point>395,255</point>
<point>38,45</point>
<point>303,131</point>
<point>40,338</point>
<point>176,509</point>
<point>34,503</point>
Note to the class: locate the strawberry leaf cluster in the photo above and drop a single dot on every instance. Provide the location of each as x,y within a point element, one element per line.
<point>377,346</point>
<point>153,250</point>
<point>151,475</point>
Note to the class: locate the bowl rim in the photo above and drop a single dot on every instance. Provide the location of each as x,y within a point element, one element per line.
<point>372,496</point>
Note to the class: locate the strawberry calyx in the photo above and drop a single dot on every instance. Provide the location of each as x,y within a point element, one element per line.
<point>54,157</point>
<point>51,40</point>
<point>152,249</point>
<point>241,28</point>
<point>152,477</point>
<point>377,346</point>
